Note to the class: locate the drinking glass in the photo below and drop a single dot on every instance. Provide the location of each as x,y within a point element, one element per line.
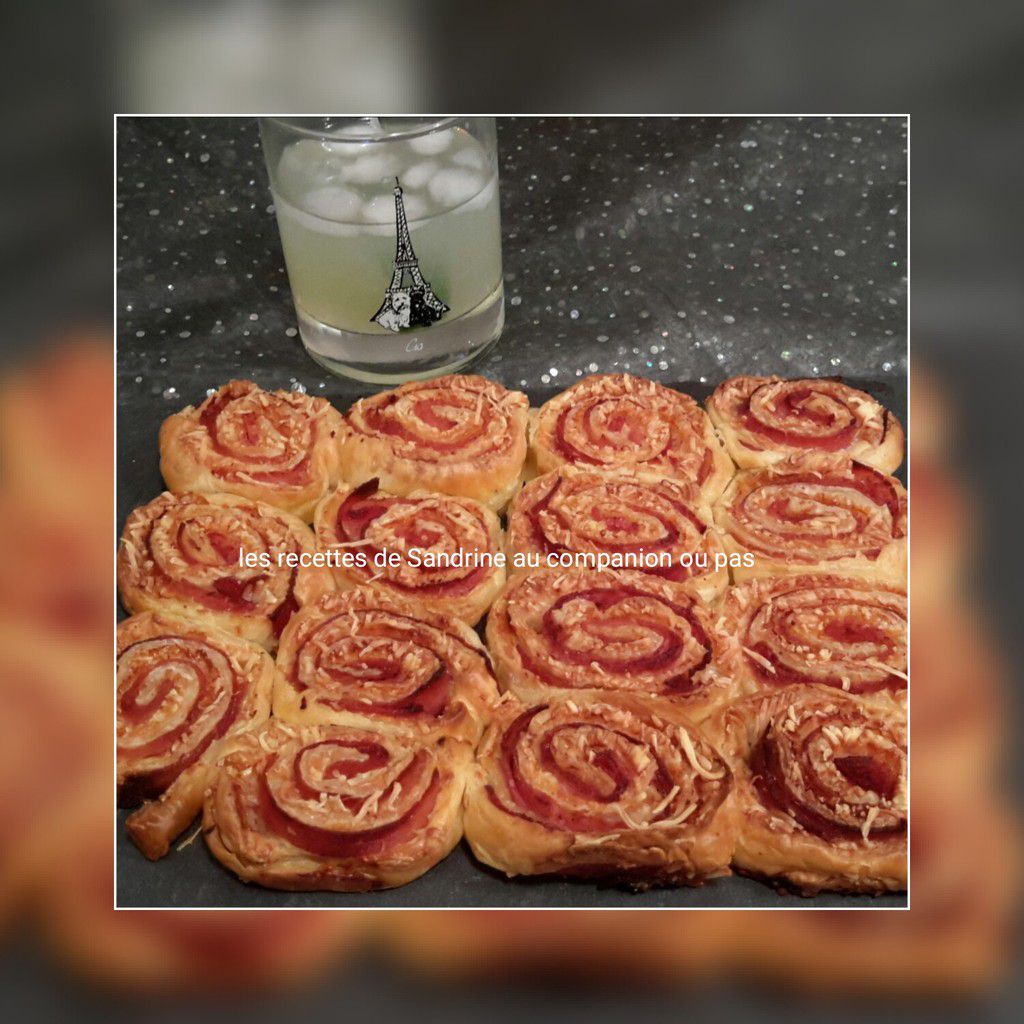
<point>392,239</point>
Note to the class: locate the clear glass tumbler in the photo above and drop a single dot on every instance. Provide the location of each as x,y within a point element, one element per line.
<point>392,238</point>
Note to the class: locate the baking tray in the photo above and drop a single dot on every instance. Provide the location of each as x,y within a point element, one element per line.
<point>190,877</point>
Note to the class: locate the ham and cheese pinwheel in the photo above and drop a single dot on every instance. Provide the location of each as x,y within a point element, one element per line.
<point>274,446</point>
<point>582,634</point>
<point>816,630</point>
<point>587,518</point>
<point>188,555</point>
<point>182,691</point>
<point>325,807</point>
<point>449,549</point>
<point>461,435</point>
<point>616,420</point>
<point>821,513</point>
<point>821,781</point>
<point>612,791</point>
<point>368,660</point>
<point>765,419</point>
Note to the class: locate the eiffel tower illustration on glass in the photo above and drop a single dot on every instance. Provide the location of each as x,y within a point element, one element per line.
<point>409,300</point>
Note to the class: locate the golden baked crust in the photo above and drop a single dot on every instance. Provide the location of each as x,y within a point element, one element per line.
<point>436,531</point>
<point>821,787</point>
<point>605,514</point>
<point>368,660</point>
<point>606,790</point>
<point>324,807</point>
<point>765,419</point>
<point>821,513</point>
<point>842,632</point>
<point>183,690</point>
<point>582,634</point>
<point>616,420</point>
<point>461,435</point>
<point>179,555</point>
<point>279,447</point>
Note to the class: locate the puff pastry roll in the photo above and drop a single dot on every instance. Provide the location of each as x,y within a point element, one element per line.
<point>583,634</point>
<point>180,555</point>
<point>821,784</point>
<point>816,514</point>
<point>182,691</point>
<point>765,419</point>
<point>274,446</point>
<point>822,630</point>
<point>460,435</point>
<point>450,548</point>
<point>367,660</point>
<point>616,420</point>
<point>624,520</point>
<point>325,807</point>
<point>609,791</point>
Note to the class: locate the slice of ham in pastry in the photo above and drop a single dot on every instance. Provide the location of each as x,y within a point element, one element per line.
<point>823,513</point>
<point>616,420</point>
<point>183,690</point>
<point>274,446</point>
<point>610,791</point>
<point>325,807</point>
<point>765,419</point>
<point>439,552</point>
<point>461,435</point>
<point>222,560</point>
<point>821,783</point>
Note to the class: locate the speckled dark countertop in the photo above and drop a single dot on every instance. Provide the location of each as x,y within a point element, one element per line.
<point>686,250</point>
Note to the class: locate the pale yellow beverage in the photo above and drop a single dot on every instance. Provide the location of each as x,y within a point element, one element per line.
<point>393,246</point>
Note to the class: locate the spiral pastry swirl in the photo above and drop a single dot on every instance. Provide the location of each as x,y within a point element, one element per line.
<point>459,435</point>
<point>448,547</point>
<point>584,633</point>
<point>608,790</point>
<point>822,783</point>
<point>369,660</point>
<point>274,446</point>
<point>814,630</point>
<point>182,690</point>
<point>765,419</point>
<point>326,807</point>
<point>633,521</point>
<point>816,513</point>
<point>616,420</point>
<point>180,555</point>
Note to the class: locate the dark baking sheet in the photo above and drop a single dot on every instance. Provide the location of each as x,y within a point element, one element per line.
<point>192,878</point>
<point>682,249</point>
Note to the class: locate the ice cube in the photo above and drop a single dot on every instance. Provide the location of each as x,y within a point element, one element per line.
<point>433,143</point>
<point>371,168</point>
<point>380,209</point>
<point>303,165</point>
<point>419,175</point>
<point>452,187</point>
<point>333,202</point>
<point>416,206</point>
<point>471,157</point>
